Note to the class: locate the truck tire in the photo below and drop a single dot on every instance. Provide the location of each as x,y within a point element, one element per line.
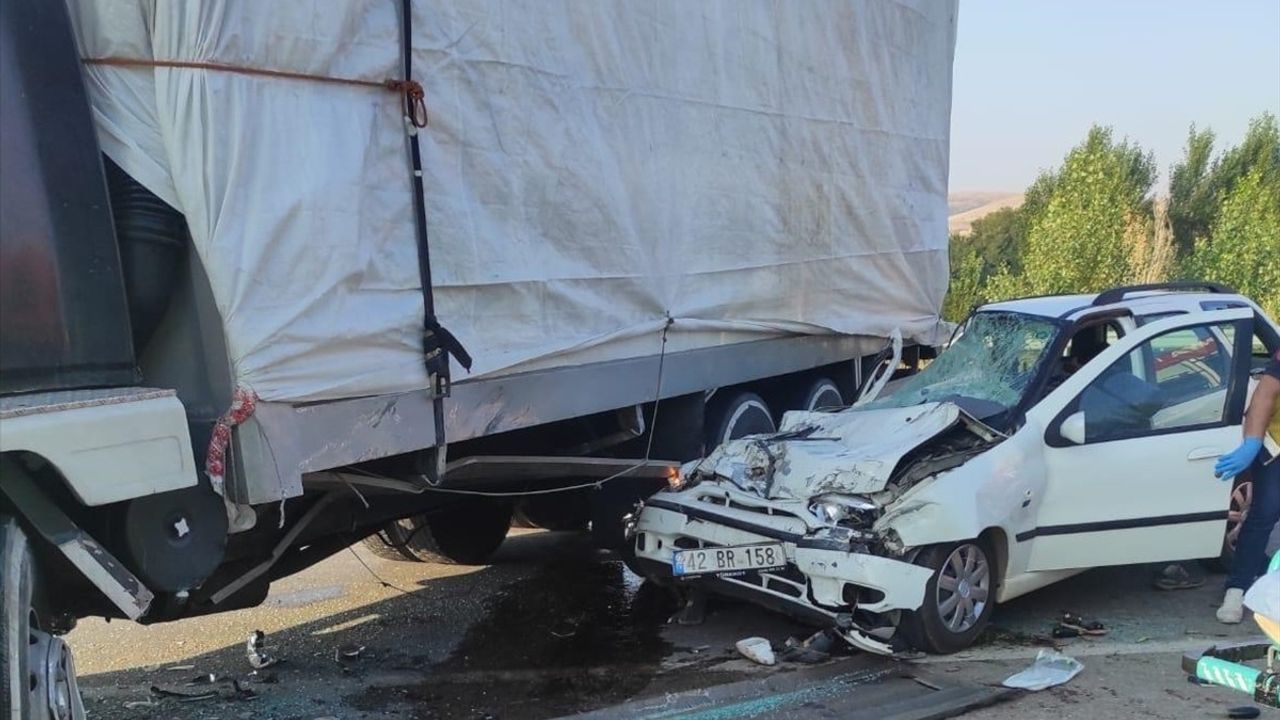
<point>958,600</point>
<point>389,542</point>
<point>464,533</point>
<point>735,415</point>
<point>39,676</point>
<point>17,586</point>
<point>557,512</point>
<point>822,393</point>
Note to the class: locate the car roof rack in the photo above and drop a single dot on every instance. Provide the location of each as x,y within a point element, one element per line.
<point>1115,295</point>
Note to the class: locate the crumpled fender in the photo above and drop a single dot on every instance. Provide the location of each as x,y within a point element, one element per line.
<point>1000,488</point>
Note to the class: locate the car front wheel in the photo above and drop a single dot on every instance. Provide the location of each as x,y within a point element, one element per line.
<point>958,600</point>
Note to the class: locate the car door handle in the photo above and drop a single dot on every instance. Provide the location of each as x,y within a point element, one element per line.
<point>1203,453</point>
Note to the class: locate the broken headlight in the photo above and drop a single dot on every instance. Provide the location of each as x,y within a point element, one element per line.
<point>844,509</point>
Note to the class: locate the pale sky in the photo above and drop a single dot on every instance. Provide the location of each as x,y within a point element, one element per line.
<point>1032,75</point>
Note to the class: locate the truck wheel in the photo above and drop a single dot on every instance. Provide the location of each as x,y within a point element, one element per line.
<point>39,678</point>
<point>463,533</point>
<point>17,583</point>
<point>822,393</point>
<point>558,512</point>
<point>389,542</point>
<point>736,415</point>
<point>958,600</point>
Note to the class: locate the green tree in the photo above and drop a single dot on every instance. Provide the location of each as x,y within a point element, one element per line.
<point>1191,202</point>
<point>998,239</point>
<point>1199,183</point>
<point>1243,247</point>
<point>995,243</point>
<point>967,281</point>
<point>1082,219</point>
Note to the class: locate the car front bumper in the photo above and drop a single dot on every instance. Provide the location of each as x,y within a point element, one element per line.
<point>823,578</point>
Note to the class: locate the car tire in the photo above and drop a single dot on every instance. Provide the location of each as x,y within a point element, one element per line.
<point>463,533</point>
<point>734,415</point>
<point>1241,499</point>
<point>961,570</point>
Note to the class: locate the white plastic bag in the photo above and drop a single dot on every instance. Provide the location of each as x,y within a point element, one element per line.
<point>1050,668</point>
<point>757,649</point>
<point>1263,598</point>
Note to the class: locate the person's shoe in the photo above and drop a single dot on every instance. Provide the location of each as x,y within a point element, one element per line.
<point>1232,610</point>
<point>1177,577</point>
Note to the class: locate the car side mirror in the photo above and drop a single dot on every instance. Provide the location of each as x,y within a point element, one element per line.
<point>1072,428</point>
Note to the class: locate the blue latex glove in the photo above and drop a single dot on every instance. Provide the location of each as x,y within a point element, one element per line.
<point>1238,460</point>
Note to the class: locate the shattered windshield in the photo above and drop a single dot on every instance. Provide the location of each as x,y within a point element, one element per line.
<point>993,359</point>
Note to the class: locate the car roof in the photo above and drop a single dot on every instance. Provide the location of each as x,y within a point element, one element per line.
<point>1147,302</point>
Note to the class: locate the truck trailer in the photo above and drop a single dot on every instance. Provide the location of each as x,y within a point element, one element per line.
<point>279,279</point>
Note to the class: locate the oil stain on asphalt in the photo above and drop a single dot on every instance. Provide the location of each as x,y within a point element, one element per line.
<point>575,636</point>
<point>552,628</point>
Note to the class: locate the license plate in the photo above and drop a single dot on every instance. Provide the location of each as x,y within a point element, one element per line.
<point>724,560</point>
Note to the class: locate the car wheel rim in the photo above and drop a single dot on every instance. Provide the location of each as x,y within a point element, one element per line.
<point>964,588</point>
<point>1241,499</point>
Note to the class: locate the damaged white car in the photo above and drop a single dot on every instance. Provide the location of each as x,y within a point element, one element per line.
<point>1054,435</point>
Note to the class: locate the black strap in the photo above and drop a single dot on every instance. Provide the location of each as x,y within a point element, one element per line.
<point>438,344</point>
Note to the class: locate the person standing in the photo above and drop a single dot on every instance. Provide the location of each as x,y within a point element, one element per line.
<point>1261,419</point>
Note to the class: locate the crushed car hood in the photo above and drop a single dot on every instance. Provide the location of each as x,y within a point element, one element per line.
<point>852,452</point>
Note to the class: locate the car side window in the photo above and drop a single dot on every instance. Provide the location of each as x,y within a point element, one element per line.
<point>1260,353</point>
<point>1173,381</point>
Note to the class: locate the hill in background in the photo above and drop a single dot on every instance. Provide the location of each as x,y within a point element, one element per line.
<point>965,207</point>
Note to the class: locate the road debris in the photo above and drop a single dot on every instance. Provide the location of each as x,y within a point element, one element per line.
<point>1244,711</point>
<point>926,683</point>
<point>814,649</point>
<point>1073,625</point>
<point>264,678</point>
<point>1049,669</point>
<point>242,692</point>
<point>258,651</point>
<point>347,653</point>
<point>222,688</point>
<point>158,691</point>
<point>757,649</point>
<point>694,609</point>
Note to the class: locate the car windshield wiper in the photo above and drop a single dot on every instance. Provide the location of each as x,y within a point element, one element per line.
<point>804,433</point>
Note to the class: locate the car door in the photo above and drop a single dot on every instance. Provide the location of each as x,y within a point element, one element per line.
<point>1130,444</point>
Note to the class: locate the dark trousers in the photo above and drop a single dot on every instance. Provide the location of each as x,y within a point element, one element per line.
<point>1264,512</point>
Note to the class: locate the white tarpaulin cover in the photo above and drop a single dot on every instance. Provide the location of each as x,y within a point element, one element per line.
<point>749,167</point>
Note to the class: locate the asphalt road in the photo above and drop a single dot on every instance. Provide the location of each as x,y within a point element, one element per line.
<point>552,628</point>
